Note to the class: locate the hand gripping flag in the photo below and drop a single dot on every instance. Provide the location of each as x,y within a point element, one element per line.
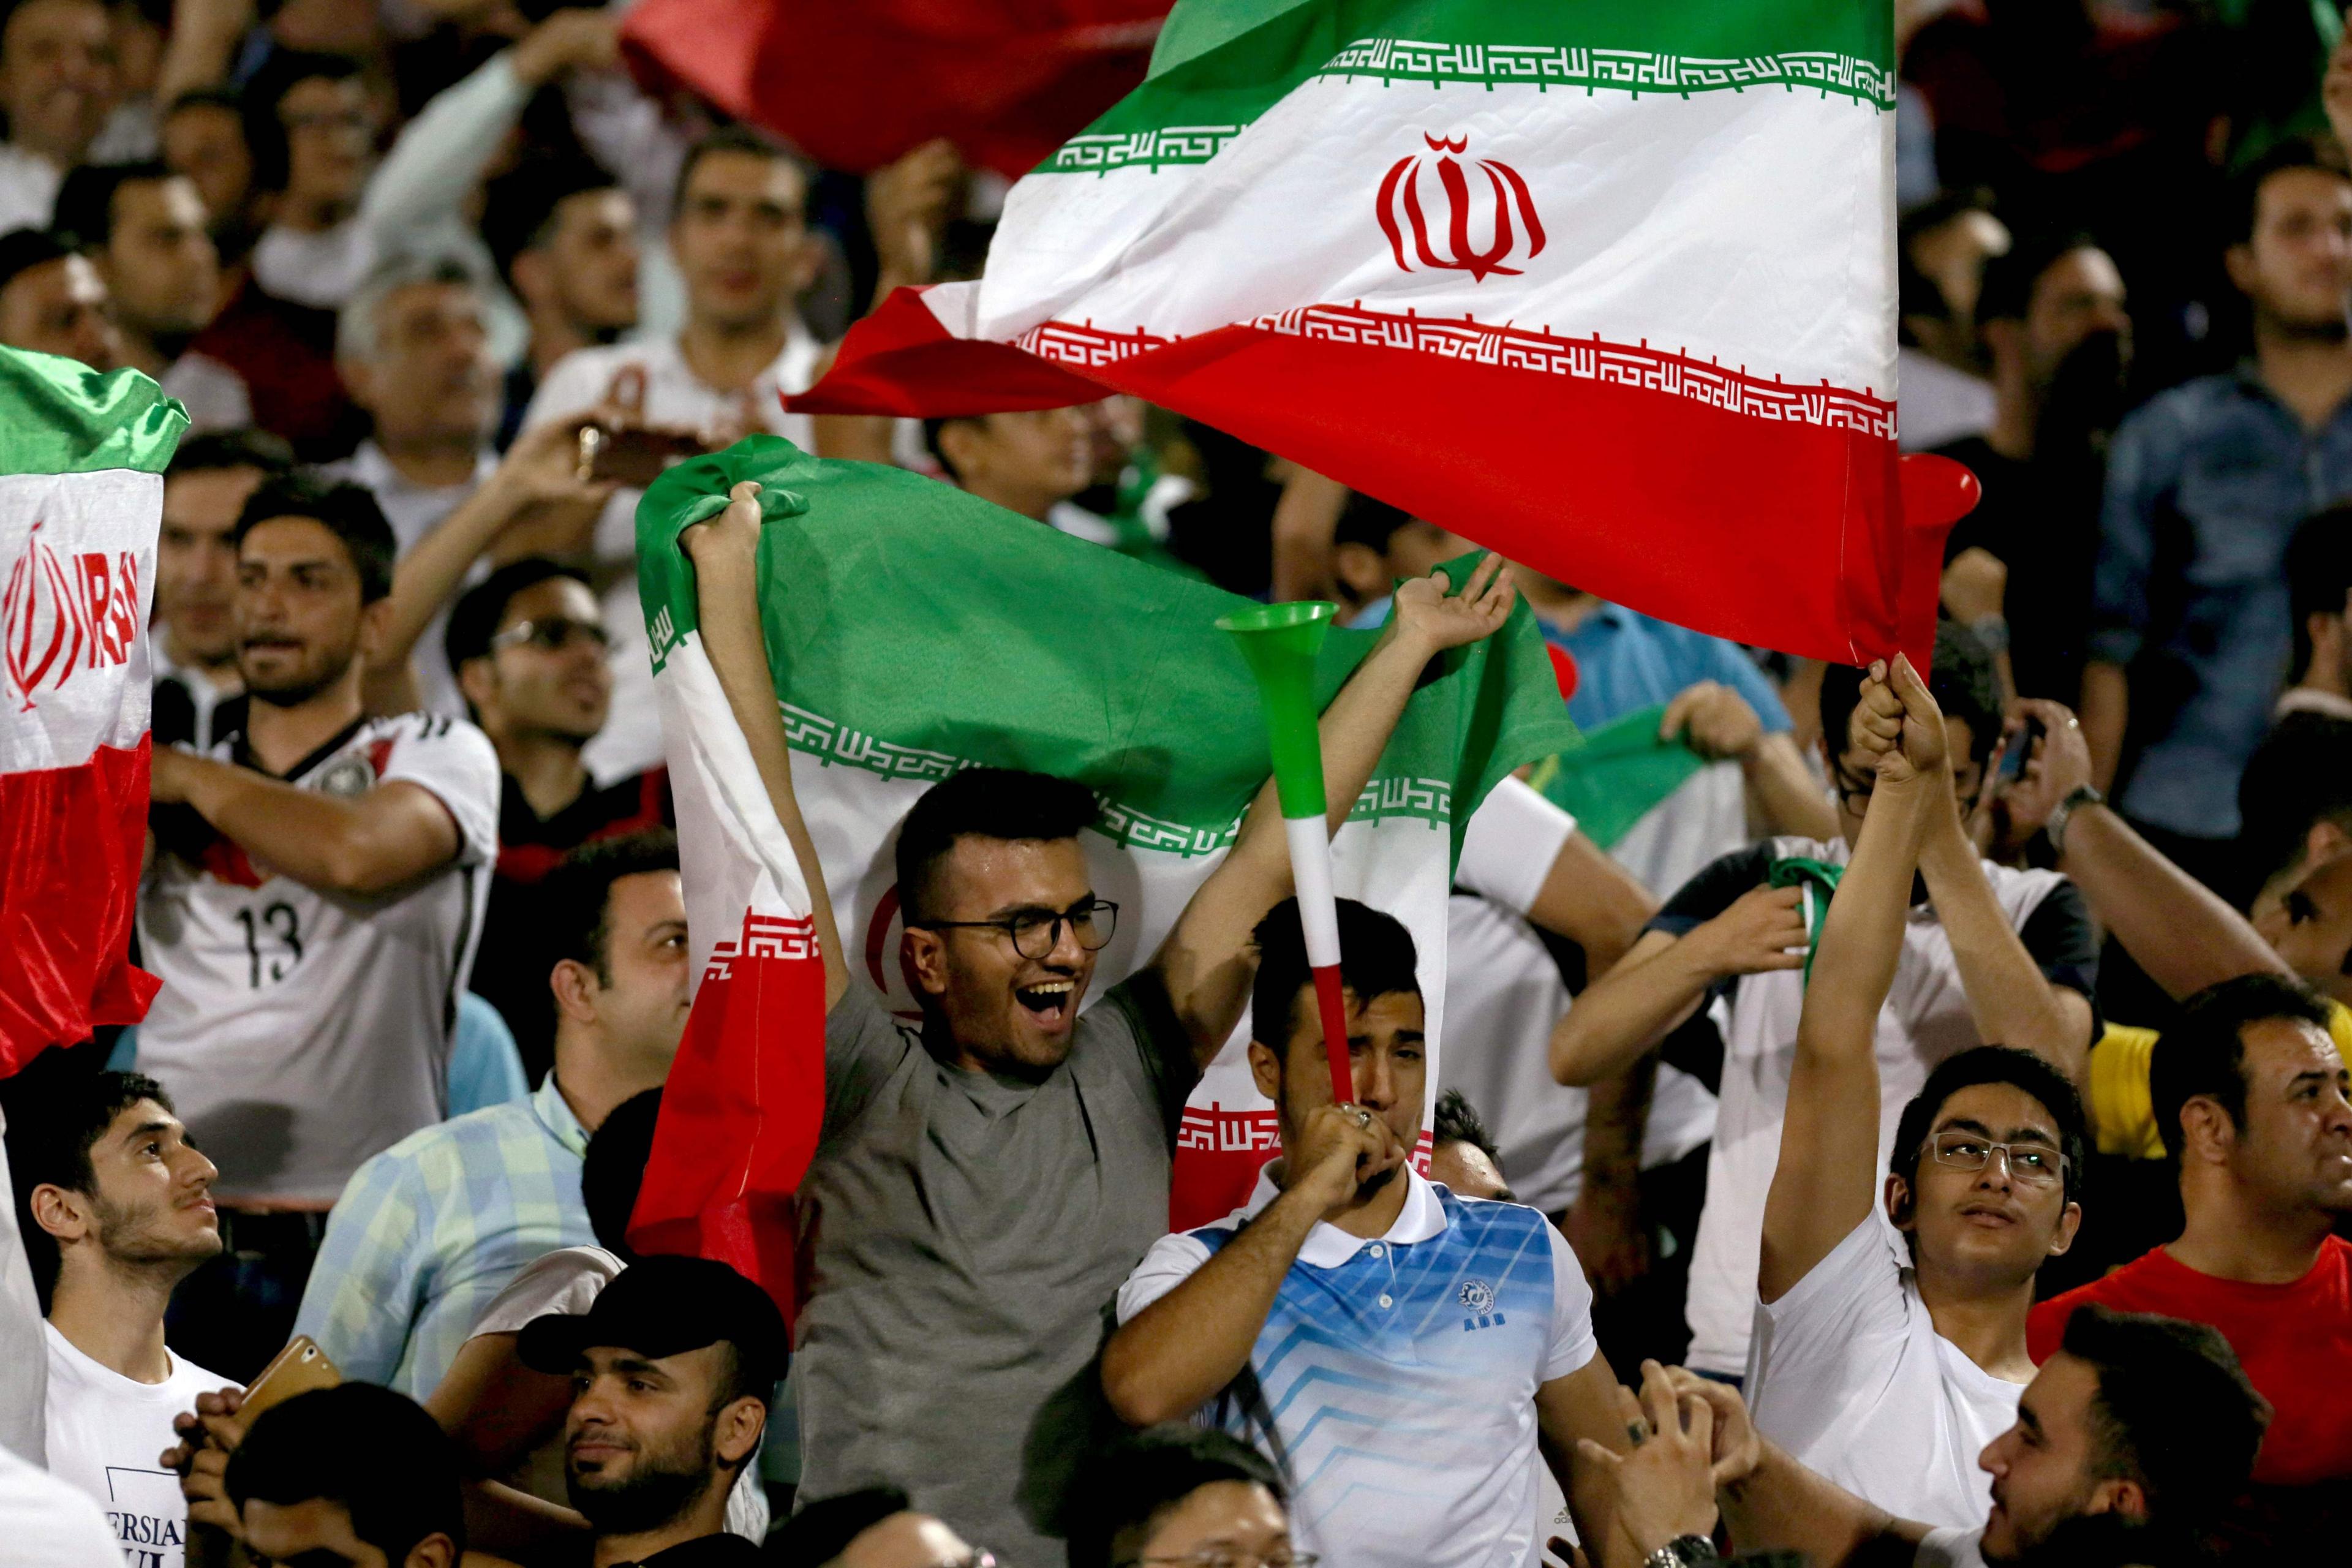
<point>915,630</point>
<point>82,497</point>
<point>1606,285</point>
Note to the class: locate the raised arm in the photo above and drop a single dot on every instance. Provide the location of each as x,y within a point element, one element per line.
<point>1205,962</point>
<point>2184,935</point>
<point>725,551</point>
<point>1177,1354</point>
<point>1826,1181</point>
<point>393,834</point>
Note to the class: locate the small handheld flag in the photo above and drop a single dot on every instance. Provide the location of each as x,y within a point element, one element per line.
<point>1280,641</point>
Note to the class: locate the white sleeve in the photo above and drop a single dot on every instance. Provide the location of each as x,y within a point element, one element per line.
<point>1572,1343</point>
<point>1508,849</point>
<point>1832,1335</point>
<point>573,384</point>
<point>565,1281</point>
<point>1172,1260</point>
<point>458,765</point>
<point>442,152</point>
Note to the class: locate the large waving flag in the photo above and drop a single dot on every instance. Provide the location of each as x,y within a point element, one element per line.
<point>81,500</point>
<point>1607,285</point>
<point>915,630</point>
<point>855,83</point>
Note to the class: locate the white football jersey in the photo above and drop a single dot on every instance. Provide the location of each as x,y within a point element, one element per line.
<point>299,1032</point>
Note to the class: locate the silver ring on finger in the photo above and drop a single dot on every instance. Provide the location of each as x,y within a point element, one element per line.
<point>1363,1118</point>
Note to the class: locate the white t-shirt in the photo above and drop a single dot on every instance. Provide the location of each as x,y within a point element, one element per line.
<point>1925,1019</point>
<point>567,1280</point>
<point>1503,995</point>
<point>28,188</point>
<point>414,510</point>
<point>1848,1373</point>
<point>301,1032</point>
<point>672,396</point>
<point>105,1431</point>
<point>321,268</point>
<point>1399,1373</point>
<point>47,1523</point>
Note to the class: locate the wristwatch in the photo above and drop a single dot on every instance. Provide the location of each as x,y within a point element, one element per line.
<point>2055,828</point>
<point>1683,1552</point>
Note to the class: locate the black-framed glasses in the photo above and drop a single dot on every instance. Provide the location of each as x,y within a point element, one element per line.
<point>552,634</point>
<point>1036,932</point>
<point>2028,1164</point>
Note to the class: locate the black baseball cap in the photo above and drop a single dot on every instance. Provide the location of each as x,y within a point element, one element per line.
<point>662,1306</point>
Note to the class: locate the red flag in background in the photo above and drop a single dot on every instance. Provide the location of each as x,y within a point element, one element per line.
<point>858,83</point>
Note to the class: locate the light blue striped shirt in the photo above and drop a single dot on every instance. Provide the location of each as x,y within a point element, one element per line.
<point>429,1231</point>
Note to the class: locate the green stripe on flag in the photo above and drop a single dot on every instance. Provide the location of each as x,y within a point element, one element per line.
<point>1618,774</point>
<point>1219,64</point>
<point>59,417</point>
<point>917,630</point>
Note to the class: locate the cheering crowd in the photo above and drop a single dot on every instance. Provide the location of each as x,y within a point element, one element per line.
<point>1919,1135</point>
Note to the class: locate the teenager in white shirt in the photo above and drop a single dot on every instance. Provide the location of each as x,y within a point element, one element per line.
<point>1890,1347</point>
<point>117,1210</point>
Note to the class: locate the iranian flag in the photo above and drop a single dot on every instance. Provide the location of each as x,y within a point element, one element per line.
<point>81,500</point>
<point>915,630</point>
<point>1607,285</point>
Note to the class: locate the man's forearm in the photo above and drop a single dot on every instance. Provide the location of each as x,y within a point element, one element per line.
<point>334,846</point>
<point>1177,1354</point>
<point>428,576</point>
<point>1784,1507</point>
<point>1626,1011</point>
<point>1785,791</point>
<point>2010,1000</point>
<point>728,606</point>
<point>2106,710</point>
<point>2184,935</point>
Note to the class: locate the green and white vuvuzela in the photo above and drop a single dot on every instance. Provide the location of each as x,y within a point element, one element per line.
<point>1280,641</point>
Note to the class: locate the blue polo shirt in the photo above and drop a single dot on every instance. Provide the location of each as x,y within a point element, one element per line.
<point>1625,661</point>
<point>1394,1381</point>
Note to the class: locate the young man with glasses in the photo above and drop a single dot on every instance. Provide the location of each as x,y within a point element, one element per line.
<point>1989,955</point>
<point>1890,1337</point>
<point>984,1182</point>
<point>527,644</point>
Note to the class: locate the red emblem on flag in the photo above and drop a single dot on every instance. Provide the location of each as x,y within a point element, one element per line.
<point>1400,208</point>
<point>62,614</point>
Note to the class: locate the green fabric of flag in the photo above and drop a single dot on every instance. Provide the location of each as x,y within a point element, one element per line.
<point>916,628</point>
<point>1621,769</point>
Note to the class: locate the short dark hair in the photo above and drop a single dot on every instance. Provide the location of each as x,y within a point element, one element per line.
<point>577,896</point>
<point>1376,959</point>
<point>932,427</point>
<point>2174,1410</point>
<point>2301,774</point>
<point>1961,681</point>
<point>1458,1121</point>
<point>1990,1064</point>
<point>1138,1481</point>
<point>614,1167</point>
<point>301,1451</point>
<point>2203,1053</point>
<point>983,803</point>
<point>2318,575</point>
<point>21,249</point>
<point>733,139</point>
<point>1369,521</point>
<point>2317,152</point>
<point>84,215</point>
<point>821,1530</point>
<point>474,619</point>
<point>265,133</point>
<point>520,206</point>
<point>2009,277</point>
<point>347,511</point>
<point>265,450</point>
<point>59,1109</point>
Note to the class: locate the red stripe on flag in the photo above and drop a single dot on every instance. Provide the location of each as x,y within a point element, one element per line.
<point>70,844</point>
<point>741,1109</point>
<point>1791,533</point>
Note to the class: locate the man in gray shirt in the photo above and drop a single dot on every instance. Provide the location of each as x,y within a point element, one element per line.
<point>983,1184</point>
